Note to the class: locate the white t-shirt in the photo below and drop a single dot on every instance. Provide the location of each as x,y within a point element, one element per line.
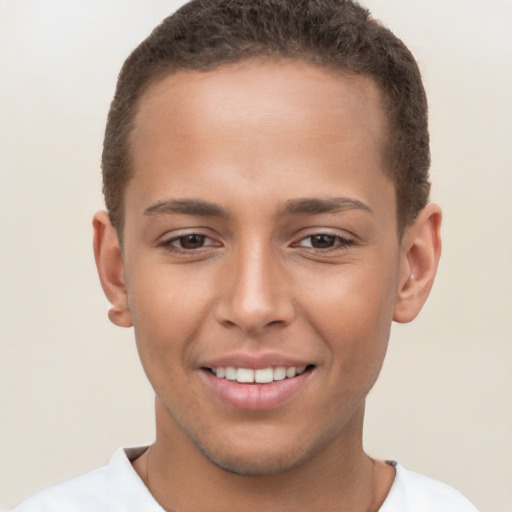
<point>116,487</point>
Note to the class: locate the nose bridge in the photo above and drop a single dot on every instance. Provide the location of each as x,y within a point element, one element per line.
<point>256,294</point>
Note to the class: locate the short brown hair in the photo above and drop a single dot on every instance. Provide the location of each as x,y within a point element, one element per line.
<point>336,34</point>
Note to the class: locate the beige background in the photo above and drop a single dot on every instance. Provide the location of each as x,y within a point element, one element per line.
<point>71,387</point>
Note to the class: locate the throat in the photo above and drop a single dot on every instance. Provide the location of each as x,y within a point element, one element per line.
<point>364,487</point>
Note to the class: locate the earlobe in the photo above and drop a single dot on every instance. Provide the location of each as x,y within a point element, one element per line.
<point>109,262</point>
<point>421,249</point>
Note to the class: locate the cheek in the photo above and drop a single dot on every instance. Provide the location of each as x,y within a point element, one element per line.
<point>167,311</point>
<point>353,311</point>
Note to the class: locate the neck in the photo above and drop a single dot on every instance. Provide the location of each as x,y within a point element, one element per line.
<point>339,477</point>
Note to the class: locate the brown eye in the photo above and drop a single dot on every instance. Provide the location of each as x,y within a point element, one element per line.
<point>191,241</point>
<point>325,242</point>
<point>322,241</point>
<point>191,244</point>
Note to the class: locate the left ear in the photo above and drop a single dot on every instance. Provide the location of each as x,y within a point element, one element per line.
<point>421,249</point>
<point>109,262</point>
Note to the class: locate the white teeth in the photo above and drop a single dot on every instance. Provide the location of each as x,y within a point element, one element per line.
<point>290,372</point>
<point>280,373</point>
<point>230,373</point>
<point>260,376</point>
<point>264,376</point>
<point>244,375</point>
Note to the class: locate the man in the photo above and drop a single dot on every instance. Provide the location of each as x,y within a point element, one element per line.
<point>266,178</point>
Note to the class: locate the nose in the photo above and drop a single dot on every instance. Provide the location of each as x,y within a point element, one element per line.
<point>255,291</point>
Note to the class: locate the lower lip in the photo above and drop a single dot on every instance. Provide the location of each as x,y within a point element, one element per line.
<point>256,397</point>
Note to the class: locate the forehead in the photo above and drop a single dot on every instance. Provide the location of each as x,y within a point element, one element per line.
<point>259,93</point>
<point>254,79</point>
<point>257,121</point>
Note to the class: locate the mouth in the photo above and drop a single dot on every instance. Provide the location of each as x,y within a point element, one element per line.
<point>257,389</point>
<point>259,376</point>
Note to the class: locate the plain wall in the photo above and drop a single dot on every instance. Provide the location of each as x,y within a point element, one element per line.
<point>72,390</point>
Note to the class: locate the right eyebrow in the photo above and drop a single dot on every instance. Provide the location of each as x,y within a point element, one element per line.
<point>314,206</point>
<point>186,207</point>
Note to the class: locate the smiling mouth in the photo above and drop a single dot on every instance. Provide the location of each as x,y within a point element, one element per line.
<point>259,376</point>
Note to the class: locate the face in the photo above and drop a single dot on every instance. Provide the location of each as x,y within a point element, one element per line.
<point>261,259</point>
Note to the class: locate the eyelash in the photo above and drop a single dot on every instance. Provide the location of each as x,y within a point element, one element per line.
<point>168,244</point>
<point>339,243</point>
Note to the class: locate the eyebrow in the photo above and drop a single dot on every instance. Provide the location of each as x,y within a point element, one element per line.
<point>303,206</point>
<point>312,206</point>
<point>186,207</point>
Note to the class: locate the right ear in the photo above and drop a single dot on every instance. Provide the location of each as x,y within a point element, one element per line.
<point>109,262</point>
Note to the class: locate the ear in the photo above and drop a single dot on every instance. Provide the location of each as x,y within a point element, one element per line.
<point>421,249</point>
<point>109,262</point>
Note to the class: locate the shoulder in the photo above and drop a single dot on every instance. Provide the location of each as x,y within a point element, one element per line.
<point>412,492</point>
<point>73,495</point>
<point>114,487</point>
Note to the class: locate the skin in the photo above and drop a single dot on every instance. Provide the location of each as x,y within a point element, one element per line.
<point>267,275</point>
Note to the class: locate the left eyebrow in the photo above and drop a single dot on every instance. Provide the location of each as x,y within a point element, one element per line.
<point>186,207</point>
<point>312,206</point>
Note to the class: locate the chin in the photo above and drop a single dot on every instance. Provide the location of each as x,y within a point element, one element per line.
<point>261,455</point>
<point>263,464</point>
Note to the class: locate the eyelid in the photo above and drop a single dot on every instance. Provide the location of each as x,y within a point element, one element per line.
<point>342,240</point>
<point>168,239</point>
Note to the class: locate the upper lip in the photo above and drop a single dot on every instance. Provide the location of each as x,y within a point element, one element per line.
<point>254,361</point>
